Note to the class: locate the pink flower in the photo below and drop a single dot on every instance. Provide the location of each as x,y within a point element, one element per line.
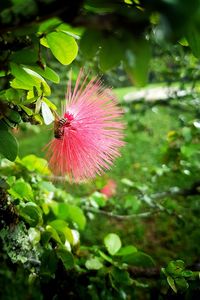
<point>89,134</point>
<point>109,189</point>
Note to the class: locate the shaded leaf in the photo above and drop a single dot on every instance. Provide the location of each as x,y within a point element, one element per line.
<point>9,145</point>
<point>90,42</point>
<point>139,259</point>
<point>121,276</point>
<point>31,213</point>
<point>193,38</point>
<point>66,257</point>
<point>107,59</point>
<point>136,62</point>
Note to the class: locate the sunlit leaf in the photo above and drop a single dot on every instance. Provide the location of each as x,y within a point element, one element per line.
<point>112,243</point>
<point>126,250</point>
<point>171,283</point>
<point>94,263</point>
<point>63,47</point>
<point>21,190</point>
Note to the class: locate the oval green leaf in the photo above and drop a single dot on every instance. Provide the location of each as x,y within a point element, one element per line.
<point>63,47</point>
<point>112,243</point>
<point>139,259</point>
<point>9,145</point>
<point>47,73</point>
<point>31,213</point>
<point>93,263</point>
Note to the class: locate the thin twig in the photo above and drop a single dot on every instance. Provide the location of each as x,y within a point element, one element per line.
<point>119,217</point>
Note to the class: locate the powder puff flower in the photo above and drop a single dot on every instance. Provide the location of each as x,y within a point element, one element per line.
<point>89,134</point>
<point>109,189</point>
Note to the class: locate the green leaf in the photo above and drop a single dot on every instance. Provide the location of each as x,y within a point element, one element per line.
<point>108,60</point>
<point>31,213</point>
<point>62,228</point>
<point>3,125</point>
<point>22,78</point>
<point>49,103</point>
<point>190,150</point>
<point>171,283</point>
<point>90,42</point>
<point>126,250</point>
<point>75,36</point>
<point>43,42</point>
<point>94,263</point>
<point>40,83</point>
<point>34,163</point>
<point>34,235</point>
<point>13,95</point>
<point>52,234</point>
<point>121,276</point>
<point>66,257</point>
<point>193,38</point>
<point>24,56</point>
<point>13,116</point>
<point>175,267</point>
<point>47,73</point>
<point>139,259</point>
<point>26,79</point>
<point>112,243</point>
<point>181,284</point>
<point>187,273</point>
<point>27,110</point>
<point>106,257</point>
<point>63,47</point>
<point>98,199</point>
<point>2,73</point>
<point>8,145</point>
<point>127,182</point>
<point>49,25</point>
<point>21,190</point>
<point>76,31</point>
<point>72,213</point>
<point>136,62</point>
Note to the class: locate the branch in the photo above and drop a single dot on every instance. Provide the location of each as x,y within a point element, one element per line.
<point>66,10</point>
<point>76,15</point>
<point>119,217</point>
<point>139,272</point>
<point>194,189</point>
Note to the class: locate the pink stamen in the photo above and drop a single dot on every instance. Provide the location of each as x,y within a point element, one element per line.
<point>93,135</point>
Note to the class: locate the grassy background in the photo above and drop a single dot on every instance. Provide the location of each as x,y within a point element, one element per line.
<point>142,157</point>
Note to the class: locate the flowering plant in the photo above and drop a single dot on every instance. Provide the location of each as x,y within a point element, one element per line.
<point>89,134</point>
